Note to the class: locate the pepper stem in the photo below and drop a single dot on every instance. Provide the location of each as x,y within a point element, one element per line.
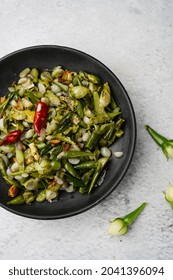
<point>129,219</point>
<point>159,139</point>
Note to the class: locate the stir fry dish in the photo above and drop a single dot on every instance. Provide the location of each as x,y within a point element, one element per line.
<point>56,127</point>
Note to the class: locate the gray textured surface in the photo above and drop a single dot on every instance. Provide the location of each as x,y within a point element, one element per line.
<point>135,40</point>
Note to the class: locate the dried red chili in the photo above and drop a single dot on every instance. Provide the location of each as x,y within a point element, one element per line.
<point>40,116</point>
<point>12,137</point>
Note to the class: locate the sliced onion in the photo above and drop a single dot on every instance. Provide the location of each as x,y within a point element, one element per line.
<point>50,195</point>
<point>85,137</point>
<point>22,136</point>
<point>169,194</point>
<point>60,155</point>
<point>9,171</point>
<point>18,178</point>
<point>41,88</point>
<point>22,81</point>
<point>105,152</point>
<point>25,124</point>
<point>64,186</point>
<point>11,89</point>
<point>75,147</point>
<point>81,145</point>
<point>45,100</point>
<point>49,137</point>
<point>53,126</point>
<point>59,94</point>
<point>59,181</point>
<point>15,167</point>
<point>85,83</point>
<point>70,189</point>
<point>80,139</point>
<point>29,133</point>
<point>25,175</point>
<point>86,120</point>
<point>55,88</point>
<point>43,133</point>
<point>19,146</point>
<point>118,154</point>
<point>14,103</point>
<point>38,108</point>
<point>26,103</point>
<point>2,123</point>
<point>74,160</point>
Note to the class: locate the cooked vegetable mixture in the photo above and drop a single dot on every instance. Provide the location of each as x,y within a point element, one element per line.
<point>56,128</point>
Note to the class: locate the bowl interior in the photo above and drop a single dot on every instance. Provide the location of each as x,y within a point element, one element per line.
<point>43,57</point>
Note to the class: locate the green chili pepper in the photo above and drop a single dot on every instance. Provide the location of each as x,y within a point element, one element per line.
<point>43,184</point>
<point>93,138</point>
<point>79,109</point>
<point>114,113</point>
<point>164,143</point>
<point>119,226</point>
<point>45,149</point>
<point>56,165</point>
<point>86,178</point>
<point>99,167</point>
<point>106,137</point>
<point>41,196</point>
<point>86,165</point>
<point>65,122</point>
<point>70,169</point>
<point>117,133</point>
<point>17,200</point>
<point>55,151</point>
<point>2,167</point>
<point>65,139</point>
<point>83,190</point>
<point>74,181</point>
<point>8,179</point>
<point>32,97</point>
<point>113,104</point>
<point>76,154</point>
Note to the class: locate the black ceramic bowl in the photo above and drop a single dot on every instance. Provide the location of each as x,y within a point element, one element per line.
<point>50,56</point>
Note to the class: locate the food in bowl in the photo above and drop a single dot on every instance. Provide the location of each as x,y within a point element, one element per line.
<point>56,127</point>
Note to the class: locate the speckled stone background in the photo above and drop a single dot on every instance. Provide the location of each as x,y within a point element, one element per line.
<point>134,38</point>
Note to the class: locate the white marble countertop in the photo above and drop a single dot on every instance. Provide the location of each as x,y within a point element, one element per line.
<point>135,40</point>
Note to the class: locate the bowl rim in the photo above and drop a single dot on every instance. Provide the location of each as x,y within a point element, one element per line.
<point>133,140</point>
